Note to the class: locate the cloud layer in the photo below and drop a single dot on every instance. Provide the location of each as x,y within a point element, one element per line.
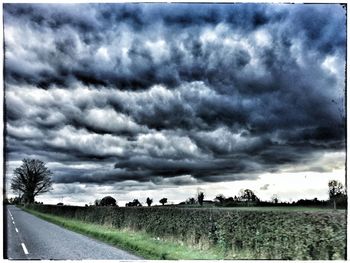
<point>173,93</point>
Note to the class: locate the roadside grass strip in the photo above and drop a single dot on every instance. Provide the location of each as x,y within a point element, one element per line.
<point>139,243</point>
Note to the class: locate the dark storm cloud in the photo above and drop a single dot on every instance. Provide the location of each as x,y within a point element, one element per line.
<point>68,30</point>
<point>173,93</point>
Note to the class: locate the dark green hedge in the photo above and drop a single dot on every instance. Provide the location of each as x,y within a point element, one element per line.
<point>270,234</point>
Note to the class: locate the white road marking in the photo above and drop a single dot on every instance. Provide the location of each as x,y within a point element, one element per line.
<point>16,229</point>
<point>24,249</point>
<point>13,222</point>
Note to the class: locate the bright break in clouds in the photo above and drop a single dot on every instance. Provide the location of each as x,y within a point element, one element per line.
<point>147,96</point>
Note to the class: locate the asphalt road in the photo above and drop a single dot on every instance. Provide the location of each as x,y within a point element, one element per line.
<point>29,237</point>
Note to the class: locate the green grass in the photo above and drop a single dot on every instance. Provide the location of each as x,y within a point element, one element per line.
<point>139,243</point>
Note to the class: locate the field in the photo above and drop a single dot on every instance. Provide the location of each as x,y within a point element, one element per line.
<point>234,233</point>
<point>268,208</point>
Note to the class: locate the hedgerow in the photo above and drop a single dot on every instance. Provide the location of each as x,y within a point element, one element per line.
<point>264,235</point>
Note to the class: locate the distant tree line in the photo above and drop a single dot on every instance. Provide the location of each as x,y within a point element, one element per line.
<point>336,191</point>
<point>33,178</point>
<point>17,200</point>
<point>246,197</point>
<point>110,201</point>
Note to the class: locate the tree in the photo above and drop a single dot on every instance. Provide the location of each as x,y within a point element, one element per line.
<point>274,199</point>
<point>108,201</point>
<point>200,198</point>
<point>191,201</point>
<point>248,196</point>
<point>31,178</point>
<point>97,202</point>
<point>15,201</point>
<point>336,191</point>
<point>231,200</point>
<point>149,201</point>
<point>220,198</point>
<point>135,202</point>
<point>163,201</point>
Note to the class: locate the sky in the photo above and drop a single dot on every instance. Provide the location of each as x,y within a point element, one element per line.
<point>165,100</point>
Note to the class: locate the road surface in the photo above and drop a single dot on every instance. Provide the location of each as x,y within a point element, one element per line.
<point>29,237</point>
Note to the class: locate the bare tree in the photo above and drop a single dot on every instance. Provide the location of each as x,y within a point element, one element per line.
<point>31,179</point>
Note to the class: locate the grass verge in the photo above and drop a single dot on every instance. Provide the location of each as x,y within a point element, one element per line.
<point>139,243</point>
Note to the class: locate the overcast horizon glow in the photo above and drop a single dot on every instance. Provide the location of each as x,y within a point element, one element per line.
<point>163,100</point>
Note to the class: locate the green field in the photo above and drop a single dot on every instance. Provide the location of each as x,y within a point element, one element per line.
<point>269,208</point>
<point>211,233</point>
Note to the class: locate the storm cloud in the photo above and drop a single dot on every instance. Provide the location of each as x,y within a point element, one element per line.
<point>173,93</point>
